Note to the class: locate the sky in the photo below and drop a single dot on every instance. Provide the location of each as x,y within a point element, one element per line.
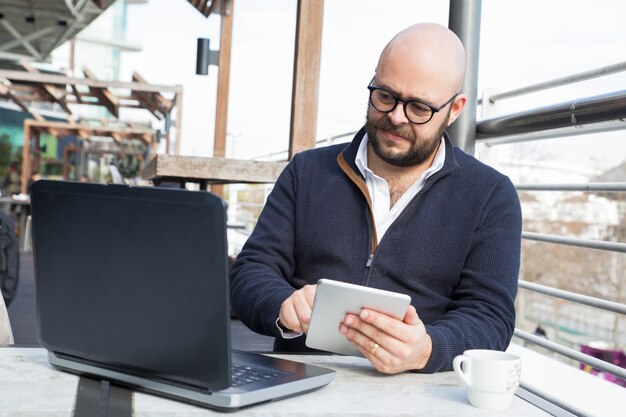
<point>521,43</point>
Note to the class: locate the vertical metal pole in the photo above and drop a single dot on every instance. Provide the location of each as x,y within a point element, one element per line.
<point>464,20</point>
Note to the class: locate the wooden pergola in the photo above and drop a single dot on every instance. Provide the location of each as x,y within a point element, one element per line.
<point>34,128</point>
<point>305,89</point>
<point>32,86</point>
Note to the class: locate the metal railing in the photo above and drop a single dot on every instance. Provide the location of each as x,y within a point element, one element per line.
<point>574,297</point>
<point>596,114</point>
<point>573,241</point>
<point>592,186</point>
<point>558,82</point>
<point>588,110</point>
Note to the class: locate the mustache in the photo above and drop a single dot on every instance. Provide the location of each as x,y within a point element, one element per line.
<point>402,130</point>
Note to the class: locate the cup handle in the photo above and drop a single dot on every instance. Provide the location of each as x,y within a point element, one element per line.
<point>465,373</point>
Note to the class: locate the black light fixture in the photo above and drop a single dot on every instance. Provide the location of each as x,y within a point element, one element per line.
<point>205,56</point>
<point>202,56</point>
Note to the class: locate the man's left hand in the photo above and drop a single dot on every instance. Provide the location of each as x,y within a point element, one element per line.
<point>391,345</point>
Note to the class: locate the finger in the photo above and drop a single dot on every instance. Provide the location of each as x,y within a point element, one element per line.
<point>288,316</point>
<point>411,316</point>
<point>377,359</point>
<point>309,293</point>
<point>302,309</point>
<point>378,347</point>
<point>377,334</point>
<point>375,323</point>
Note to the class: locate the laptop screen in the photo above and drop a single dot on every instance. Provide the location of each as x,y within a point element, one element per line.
<point>134,279</point>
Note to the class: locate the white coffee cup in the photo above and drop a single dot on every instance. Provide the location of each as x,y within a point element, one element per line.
<point>491,377</point>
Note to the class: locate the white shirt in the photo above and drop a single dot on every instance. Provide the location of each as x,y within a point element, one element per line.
<point>384,214</point>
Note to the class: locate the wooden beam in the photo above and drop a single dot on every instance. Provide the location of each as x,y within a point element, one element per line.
<point>214,170</point>
<point>204,6</point>
<point>214,7</point>
<point>106,98</point>
<point>162,101</point>
<point>87,130</point>
<point>5,91</point>
<point>77,94</point>
<point>306,76</point>
<point>116,137</point>
<point>38,117</point>
<point>60,79</point>
<point>148,139</point>
<point>48,89</point>
<point>153,102</point>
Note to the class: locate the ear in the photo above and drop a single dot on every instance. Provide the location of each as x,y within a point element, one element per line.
<point>457,107</point>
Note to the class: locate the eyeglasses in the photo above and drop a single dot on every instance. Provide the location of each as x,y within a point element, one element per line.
<point>416,111</point>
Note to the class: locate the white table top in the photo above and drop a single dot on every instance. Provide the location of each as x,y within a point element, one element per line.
<point>29,385</point>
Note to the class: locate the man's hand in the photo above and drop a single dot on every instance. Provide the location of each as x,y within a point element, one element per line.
<point>295,311</point>
<point>391,345</point>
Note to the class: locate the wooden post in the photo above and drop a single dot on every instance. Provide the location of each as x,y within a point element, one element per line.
<point>306,76</point>
<point>223,80</point>
<point>167,142</point>
<point>178,122</point>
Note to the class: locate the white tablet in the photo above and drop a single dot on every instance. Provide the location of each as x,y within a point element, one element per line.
<point>334,299</point>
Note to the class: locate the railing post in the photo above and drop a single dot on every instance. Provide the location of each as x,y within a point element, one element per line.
<point>464,20</point>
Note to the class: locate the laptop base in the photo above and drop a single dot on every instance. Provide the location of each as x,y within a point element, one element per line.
<point>301,378</point>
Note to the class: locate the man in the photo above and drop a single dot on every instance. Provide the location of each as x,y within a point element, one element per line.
<point>400,209</point>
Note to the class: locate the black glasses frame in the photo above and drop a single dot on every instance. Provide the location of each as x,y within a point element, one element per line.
<point>404,102</point>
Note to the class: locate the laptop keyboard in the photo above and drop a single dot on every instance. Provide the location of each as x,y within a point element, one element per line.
<point>244,374</point>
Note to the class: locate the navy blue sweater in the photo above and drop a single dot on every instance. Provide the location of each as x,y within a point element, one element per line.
<point>455,249</point>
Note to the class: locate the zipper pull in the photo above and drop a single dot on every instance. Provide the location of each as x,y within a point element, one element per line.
<point>370,260</point>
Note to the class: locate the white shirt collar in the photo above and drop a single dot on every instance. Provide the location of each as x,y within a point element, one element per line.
<point>361,159</point>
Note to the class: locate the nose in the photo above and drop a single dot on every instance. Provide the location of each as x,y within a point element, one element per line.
<point>397,116</point>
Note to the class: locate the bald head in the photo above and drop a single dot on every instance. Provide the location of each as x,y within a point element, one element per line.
<point>426,56</point>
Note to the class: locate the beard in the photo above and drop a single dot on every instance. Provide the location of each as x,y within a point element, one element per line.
<point>421,147</point>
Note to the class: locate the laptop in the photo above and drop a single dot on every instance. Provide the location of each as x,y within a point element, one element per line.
<point>132,286</point>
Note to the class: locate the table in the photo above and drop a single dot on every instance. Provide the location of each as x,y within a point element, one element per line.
<point>29,385</point>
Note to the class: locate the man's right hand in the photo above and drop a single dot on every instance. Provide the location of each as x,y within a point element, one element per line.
<point>295,312</point>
